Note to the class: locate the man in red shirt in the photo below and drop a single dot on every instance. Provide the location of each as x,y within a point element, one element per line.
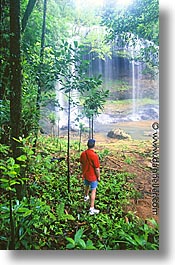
<point>91,173</point>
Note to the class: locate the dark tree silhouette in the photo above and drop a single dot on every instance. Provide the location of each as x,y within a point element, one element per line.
<point>27,13</point>
<point>15,76</point>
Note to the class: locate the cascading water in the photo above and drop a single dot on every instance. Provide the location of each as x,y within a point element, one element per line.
<point>133,91</point>
<point>136,76</point>
<point>62,109</point>
<point>125,80</point>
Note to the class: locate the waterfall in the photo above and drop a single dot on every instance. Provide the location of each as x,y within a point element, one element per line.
<point>61,109</point>
<point>136,76</point>
<point>74,108</point>
<point>133,91</point>
<point>124,77</point>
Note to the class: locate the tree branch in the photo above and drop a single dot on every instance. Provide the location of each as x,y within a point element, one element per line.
<point>27,13</point>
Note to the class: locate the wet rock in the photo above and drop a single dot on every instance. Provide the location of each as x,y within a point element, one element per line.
<point>65,128</point>
<point>118,134</point>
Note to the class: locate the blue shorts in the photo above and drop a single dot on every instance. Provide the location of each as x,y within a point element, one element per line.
<point>92,184</point>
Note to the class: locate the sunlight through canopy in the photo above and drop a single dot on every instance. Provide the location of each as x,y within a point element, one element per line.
<point>100,3</point>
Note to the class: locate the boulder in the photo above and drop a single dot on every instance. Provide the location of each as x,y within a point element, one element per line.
<point>118,134</point>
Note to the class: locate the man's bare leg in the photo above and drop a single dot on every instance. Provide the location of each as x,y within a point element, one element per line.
<point>86,190</point>
<point>93,193</point>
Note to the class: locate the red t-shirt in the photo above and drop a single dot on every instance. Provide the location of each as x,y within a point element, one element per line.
<point>89,160</point>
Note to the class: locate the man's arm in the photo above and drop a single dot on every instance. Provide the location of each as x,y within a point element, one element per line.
<point>97,173</point>
<point>81,174</point>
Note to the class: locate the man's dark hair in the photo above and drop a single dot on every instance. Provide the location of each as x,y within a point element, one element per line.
<point>91,143</point>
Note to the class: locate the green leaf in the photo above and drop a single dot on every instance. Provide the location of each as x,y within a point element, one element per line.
<point>11,173</point>
<point>89,245</point>
<point>78,235</point>
<point>128,238</point>
<point>4,180</point>
<point>70,246</point>
<point>81,243</point>
<point>45,230</point>
<point>140,240</point>
<point>22,158</point>
<point>3,238</point>
<point>52,216</point>
<point>2,167</point>
<point>27,213</point>
<point>70,240</point>
<point>14,182</point>
<point>76,44</point>
<point>22,210</point>
<point>68,217</point>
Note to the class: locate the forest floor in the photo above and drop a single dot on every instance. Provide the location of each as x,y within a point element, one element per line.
<point>134,157</point>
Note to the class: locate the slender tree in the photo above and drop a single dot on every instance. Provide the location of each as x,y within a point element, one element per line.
<point>40,84</point>
<point>15,75</point>
<point>94,103</point>
<point>68,140</point>
<point>27,13</point>
<point>15,92</point>
<point>72,76</point>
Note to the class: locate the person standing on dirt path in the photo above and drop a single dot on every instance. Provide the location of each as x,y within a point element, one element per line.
<point>91,173</point>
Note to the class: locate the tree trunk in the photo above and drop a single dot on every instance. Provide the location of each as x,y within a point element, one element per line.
<point>41,55</point>
<point>12,227</point>
<point>89,128</point>
<point>68,144</point>
<point>15,94</point>
<point>40,71</point>
<point>15,76</point>
<point>27,13</point>
<point>80,139</point>
<point>92,126</point>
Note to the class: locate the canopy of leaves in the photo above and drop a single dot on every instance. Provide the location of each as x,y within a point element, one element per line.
<point>141,18</point>
<point>139,22</point>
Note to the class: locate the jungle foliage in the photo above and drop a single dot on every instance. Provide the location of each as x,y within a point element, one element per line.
<point>38,48</point>
<point>49,217</point>
<point>44,56</point>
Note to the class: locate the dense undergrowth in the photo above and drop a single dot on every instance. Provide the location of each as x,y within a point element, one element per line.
<point>48,217</point>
